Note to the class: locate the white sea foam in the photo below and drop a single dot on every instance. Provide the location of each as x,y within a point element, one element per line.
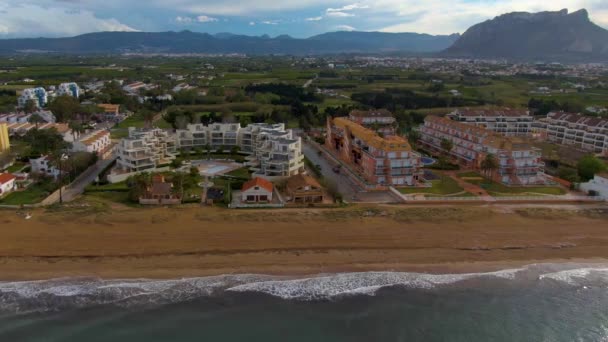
<point>577,276</point>
<point>78,292</point>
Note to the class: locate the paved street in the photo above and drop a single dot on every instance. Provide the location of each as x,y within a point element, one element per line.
<point>349,190</point>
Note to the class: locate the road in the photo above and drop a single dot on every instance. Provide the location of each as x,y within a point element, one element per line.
<point>309,82</point>
<point>344,184</point>
<point>76,188</point>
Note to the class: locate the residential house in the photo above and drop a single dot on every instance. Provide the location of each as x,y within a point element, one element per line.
<point>519,162</point>
<point>382,161</point>
<point>160,193</point>
<point>597,186</point>
<point>43,166</point>
<point>256,191</point>
<point>508,122</point>
<point>7,184</point>
<point>303,189</point>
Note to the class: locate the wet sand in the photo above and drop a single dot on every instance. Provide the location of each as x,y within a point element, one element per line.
<point>188,242</point>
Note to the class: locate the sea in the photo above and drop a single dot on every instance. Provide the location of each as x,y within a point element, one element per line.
<point>544,302</point>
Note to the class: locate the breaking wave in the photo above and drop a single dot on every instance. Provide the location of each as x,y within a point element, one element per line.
<point>58,294</point>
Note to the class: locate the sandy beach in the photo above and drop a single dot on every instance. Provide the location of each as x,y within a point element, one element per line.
<point>192,241</point>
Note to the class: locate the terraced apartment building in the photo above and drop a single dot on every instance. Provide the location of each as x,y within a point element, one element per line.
<point>380,120</point>
<point>519,162</point>
<point>585,132</point>
<point>505,121</point>
<point>382,161</point>
<point>145,149</point>
<point>274,152</point>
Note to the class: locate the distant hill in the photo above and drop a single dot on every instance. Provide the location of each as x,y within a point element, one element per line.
<point>192,42</point>
<point>535,36</point>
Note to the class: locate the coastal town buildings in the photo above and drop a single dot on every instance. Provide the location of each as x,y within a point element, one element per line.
<point>518,162</point>
<point>507,122</point>
<point>257,191</point>
<point>38,95</point>
<point>145,150</point>
<point>274,152</point>
<point>68,89</point>
<point>7,184</point>
<point>585,132</point>
<point>97,142</point>
<point>380,120</point>
<point>5,143</point>
<point>382,161</point>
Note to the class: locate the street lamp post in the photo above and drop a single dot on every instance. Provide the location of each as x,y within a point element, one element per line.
<point>63,158</point>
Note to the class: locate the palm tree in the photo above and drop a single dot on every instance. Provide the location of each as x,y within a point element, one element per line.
<point>447,145</point>
<point>148,117</point>
<point>77,129</point>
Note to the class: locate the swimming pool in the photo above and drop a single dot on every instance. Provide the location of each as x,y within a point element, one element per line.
<point>426,161</point>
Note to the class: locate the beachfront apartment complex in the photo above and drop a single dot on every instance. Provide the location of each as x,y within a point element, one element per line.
<point>585,132</point>
<point>519,162</point>
<point>37,95</point>
<point>145,150</point>
<point>273,150</point>
<point>382,161</point>
<point>507,122</point>
<point>380,120</point>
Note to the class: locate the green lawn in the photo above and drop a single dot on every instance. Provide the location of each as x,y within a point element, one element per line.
<point>497,189</point>
<point>442,186</point>
<point>240,173</point>
<point>117,197</point>
<point>32,195</point>
<point>16,167</point>
<point>121,186</point>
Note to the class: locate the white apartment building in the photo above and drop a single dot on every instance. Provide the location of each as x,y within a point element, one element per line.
<point>38,95</point>
<point>274,151</point>
<point>145,150</point>
<point>43,166</point>
<point>95,142</point>
<point>70,89</point>
<point>508,122</point>
<point>585,132</point>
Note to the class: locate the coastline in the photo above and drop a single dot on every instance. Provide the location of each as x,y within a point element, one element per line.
<point>173,243</point>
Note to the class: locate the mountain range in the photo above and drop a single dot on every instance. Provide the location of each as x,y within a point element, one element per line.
<point>193,42</point>
<point>545,35</point>
<point>519,36</point>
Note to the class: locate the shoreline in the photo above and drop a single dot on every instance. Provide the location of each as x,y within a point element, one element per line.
<point>163,243</point>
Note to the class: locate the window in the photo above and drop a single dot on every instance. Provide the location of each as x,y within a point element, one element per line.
<point>264,198</point>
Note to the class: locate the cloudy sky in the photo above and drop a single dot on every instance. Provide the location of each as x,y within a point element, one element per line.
<point>301,18</point>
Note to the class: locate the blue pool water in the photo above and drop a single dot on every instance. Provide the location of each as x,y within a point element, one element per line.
<point>428,161</point>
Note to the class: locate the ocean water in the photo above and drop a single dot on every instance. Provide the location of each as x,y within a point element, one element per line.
<point>564,302</point>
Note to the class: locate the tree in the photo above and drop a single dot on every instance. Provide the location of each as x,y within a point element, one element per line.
<point>77,128</point>
<point>65,108</point>
<point>235,150</point>
<point>413,136</point>
<point>447,145</point>
<point>30,106</point>
<point>589,166</point>
<point>148,116</point>
<point>138,185</point>
<point>489,164</point>
<point>42,142</point>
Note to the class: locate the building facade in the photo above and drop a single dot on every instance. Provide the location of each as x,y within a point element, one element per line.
<point>5,144</point>
<point>382,161</point>
<point>585,132</point>
<point>38,95</point>
<point>68,89</point>
<point>380,120</point>
<point>98,142</point>
<point>519,163</point>
<point>597,186</point>
<point>257,191</point>
<point>273,150</point>
<point>44,167</point>
<point>507,122</point>
<point>7,184</point>
<point>145,150</point>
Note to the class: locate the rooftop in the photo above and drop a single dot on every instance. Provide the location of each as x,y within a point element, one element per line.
<point>259,182</point>
<point>372,138</point>
<point>6,177</point>
<point>371,113</point>
<point>498,112</point>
